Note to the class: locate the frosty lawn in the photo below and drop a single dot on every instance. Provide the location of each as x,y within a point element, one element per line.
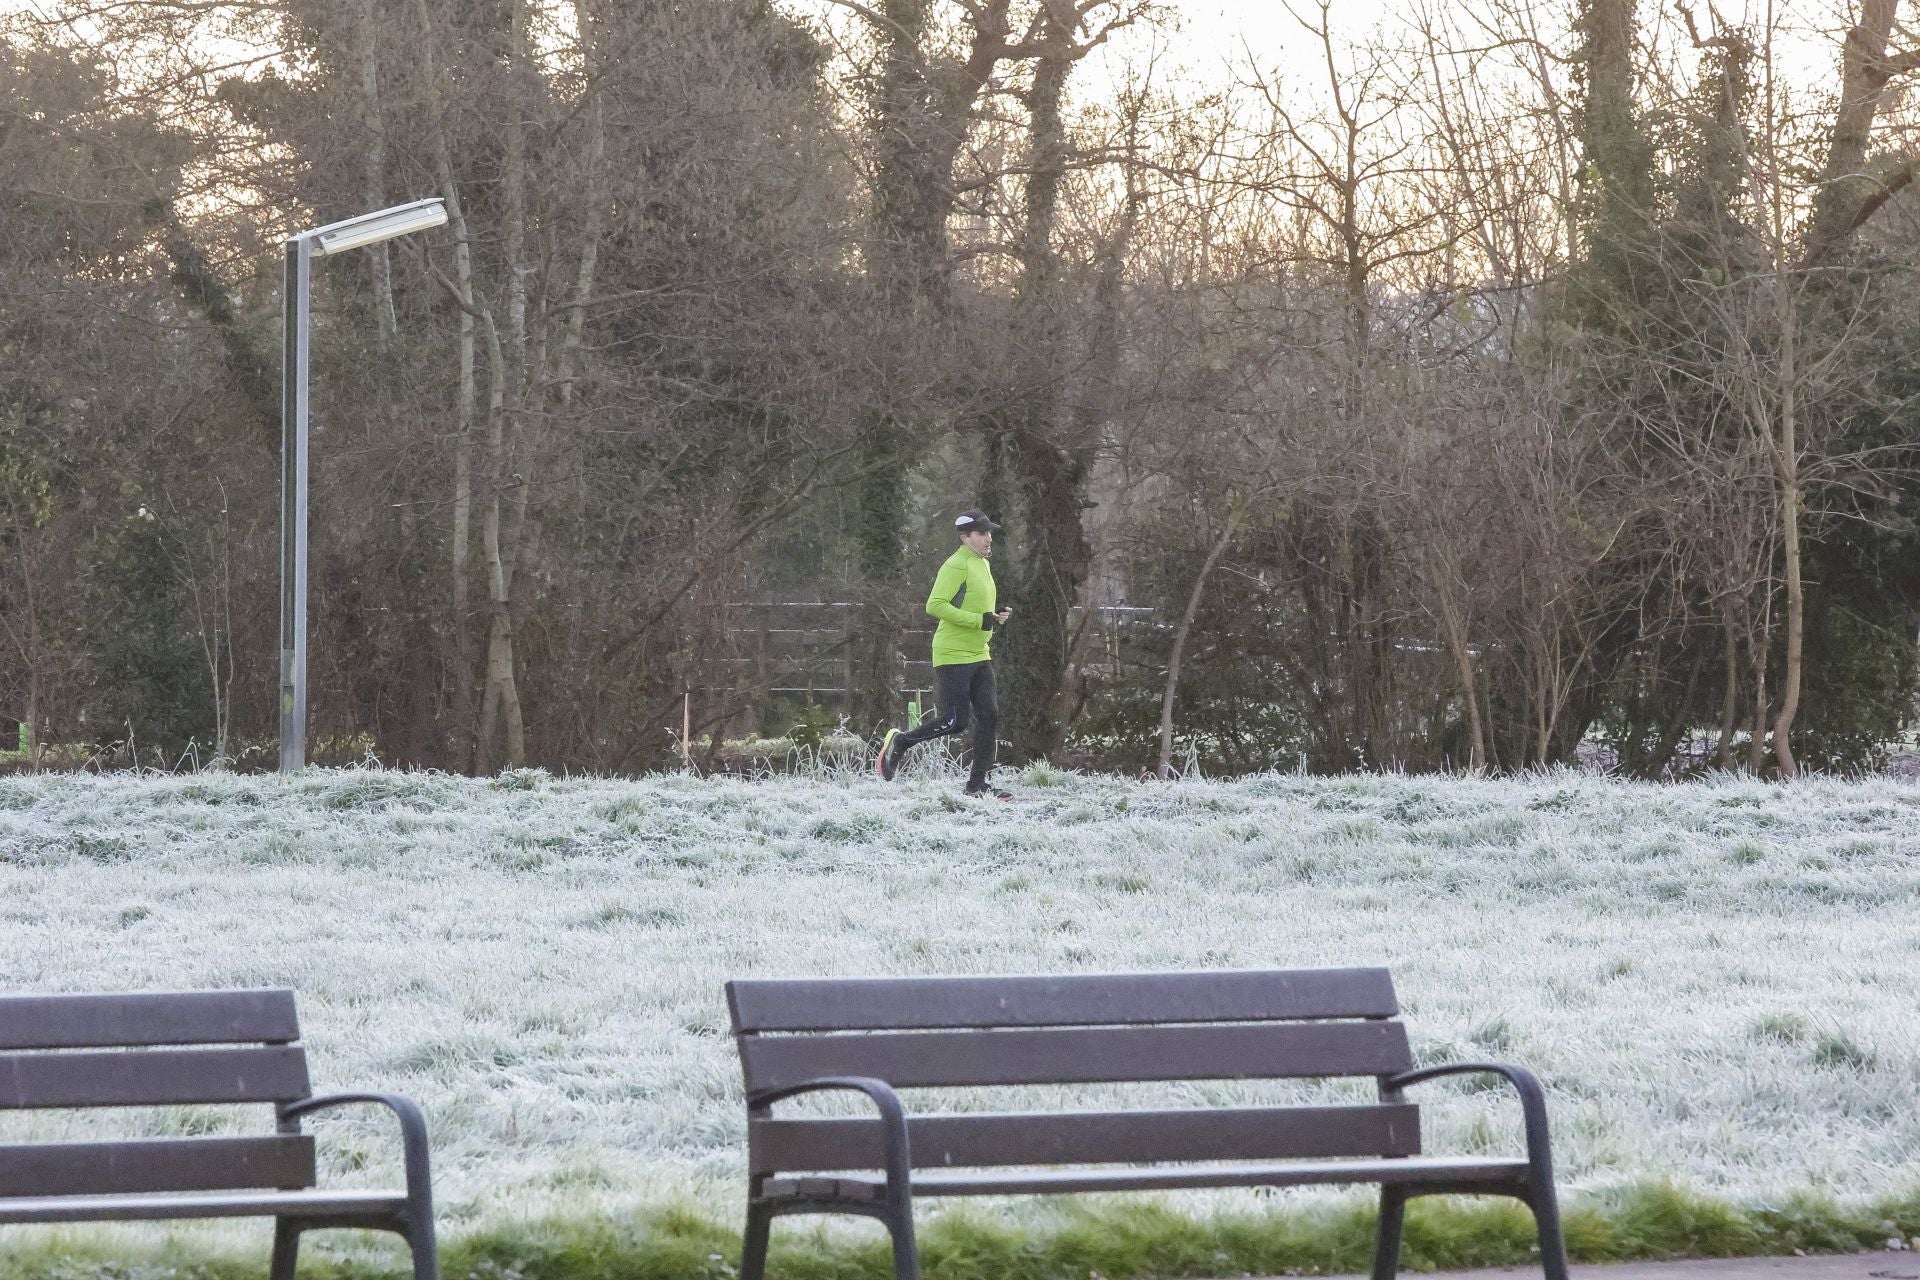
<point>1716,982</point>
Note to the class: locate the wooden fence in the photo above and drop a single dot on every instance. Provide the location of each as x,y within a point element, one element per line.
<point>805,651</point>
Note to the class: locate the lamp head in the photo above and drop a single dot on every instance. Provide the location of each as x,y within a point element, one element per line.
<point>372,228</point>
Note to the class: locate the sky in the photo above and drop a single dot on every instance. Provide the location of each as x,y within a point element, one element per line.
<point>1205,35</point>
<point>1209,35</point>
<point>1193,49</point>
<point>1202,37</point>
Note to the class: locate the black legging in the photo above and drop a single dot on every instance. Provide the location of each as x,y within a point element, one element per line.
<point>965,692</point>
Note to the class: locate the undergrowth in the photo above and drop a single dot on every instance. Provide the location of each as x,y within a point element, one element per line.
<point>1111,1237</point>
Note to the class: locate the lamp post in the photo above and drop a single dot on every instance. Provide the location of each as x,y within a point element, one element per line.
<point>337,237</point>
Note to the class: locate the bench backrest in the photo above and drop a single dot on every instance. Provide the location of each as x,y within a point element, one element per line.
<point>1077,1029</point>
<point>152,1049</point>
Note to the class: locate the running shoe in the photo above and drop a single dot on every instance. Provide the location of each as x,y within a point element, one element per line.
<point>885,764</point>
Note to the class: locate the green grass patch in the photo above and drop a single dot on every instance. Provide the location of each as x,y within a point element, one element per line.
<point>1838,1050</point>
<point>1120,1239</point>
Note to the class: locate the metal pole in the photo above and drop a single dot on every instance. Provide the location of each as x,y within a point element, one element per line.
<point>293,510</point>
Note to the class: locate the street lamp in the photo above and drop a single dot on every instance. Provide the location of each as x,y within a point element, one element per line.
<point>337,237</point>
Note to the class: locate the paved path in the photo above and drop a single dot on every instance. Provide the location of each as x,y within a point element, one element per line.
<point>1887,1265</point>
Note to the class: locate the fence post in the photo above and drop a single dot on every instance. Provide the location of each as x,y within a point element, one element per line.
<point>760,662</point>
<point>846,671</point>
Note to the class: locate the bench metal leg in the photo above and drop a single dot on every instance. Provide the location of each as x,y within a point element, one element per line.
<point>286,1249</point>
<point>419,1236</point>
<point>1393,1220</point>
<point>753,1249</point>
<point>426,1253</point>
<point>760,1216</point>
<point>906,1253</point>
<point>1546,1218</point>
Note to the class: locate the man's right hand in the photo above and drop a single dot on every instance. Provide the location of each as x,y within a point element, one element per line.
<point>1001,617</point>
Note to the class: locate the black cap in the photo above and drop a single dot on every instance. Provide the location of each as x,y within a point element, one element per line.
<point>974,520</point>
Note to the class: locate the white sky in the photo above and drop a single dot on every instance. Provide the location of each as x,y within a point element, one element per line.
<point>1198,42</point>
<point>1210,31</point>
<point>1193,50</point>
<point>1213,31</point>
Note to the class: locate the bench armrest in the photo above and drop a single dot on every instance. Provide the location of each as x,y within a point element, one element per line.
<point>1533,1102</point>
<point>893,1123</point>
<point>413,1138</point>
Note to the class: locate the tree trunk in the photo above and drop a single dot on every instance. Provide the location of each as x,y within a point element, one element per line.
<point>499,663</point>
<point>463,738</point>
<point>1788,457</point>
<point>500,538</point>
<point>1057,555</point>
<point>1089,413</point>
<point>1328,659</point>
<point>1730,697</point>
<point>1457,645</point>
<point>1845,187</point>
<point>503,693</point>
<point>1362,535</point>
<point>594,200</point>
<point>1370,639</point>
<point>1796,626</point>
<point>1618,159</point>
<point>1180,643</point>
<point>373,120</point>
<point>1048,464</point>
<point>907,253</point>
<point>879,513</point>
<point>1757,747</point>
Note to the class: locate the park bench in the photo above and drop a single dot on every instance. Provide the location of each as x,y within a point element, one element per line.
<point>188,1048</point>
<point>878,1036</point>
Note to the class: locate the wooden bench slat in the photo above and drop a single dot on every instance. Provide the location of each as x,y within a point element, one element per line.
<point>1081,1055</point>
<point>874,1004</point>
<point>1464,1174</point>
<point>1116,1137</point>
<point>247,1204</point>
<point>157,1077</point>
<point>263,1016</point>
<point>164,1164</point>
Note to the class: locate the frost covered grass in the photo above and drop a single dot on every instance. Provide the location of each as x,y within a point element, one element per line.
<point>1716,981</point>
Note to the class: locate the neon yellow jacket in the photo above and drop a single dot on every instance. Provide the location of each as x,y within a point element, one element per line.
<point>963,595</point>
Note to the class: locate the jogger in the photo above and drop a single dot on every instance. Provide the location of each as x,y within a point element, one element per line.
<point>965,600</point>
<point>965,695</point>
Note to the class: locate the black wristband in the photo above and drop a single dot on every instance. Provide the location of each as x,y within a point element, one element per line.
<point>986,621</point>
